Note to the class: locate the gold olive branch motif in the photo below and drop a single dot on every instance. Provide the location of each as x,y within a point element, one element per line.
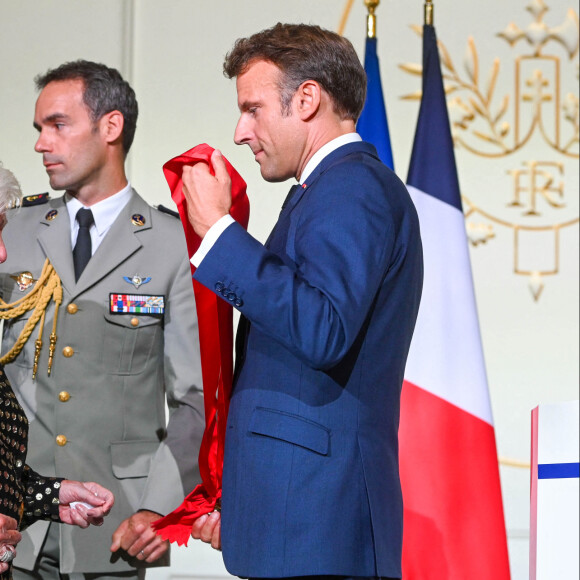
<point>478,104</point>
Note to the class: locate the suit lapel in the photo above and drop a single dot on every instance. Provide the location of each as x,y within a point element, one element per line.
<point>293,200</point>
<point>286,208</point>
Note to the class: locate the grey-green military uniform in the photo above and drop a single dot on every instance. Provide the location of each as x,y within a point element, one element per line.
<point>100,416</point>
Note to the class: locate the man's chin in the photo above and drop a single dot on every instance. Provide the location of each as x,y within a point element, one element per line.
<point>272,177</point>
<point>56,185</point>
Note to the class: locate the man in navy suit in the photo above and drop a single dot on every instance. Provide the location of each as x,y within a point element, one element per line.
<point>311,481</point>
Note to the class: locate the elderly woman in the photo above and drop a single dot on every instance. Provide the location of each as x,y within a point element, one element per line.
<point>26,496</point>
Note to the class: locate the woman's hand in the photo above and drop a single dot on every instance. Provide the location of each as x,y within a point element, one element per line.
<point>9,537</point>
<point>84,503</point>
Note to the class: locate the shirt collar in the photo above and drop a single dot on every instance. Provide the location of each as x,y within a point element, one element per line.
<point>104,212</point>
<point>326,150</point>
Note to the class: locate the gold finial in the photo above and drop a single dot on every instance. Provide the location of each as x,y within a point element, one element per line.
<point>371,18</point>
<point>429,12</point>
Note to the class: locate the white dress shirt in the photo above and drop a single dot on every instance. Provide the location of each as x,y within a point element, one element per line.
<point>105,212</point>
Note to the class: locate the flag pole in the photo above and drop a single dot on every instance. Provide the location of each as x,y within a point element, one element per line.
<point>429,12</point>
<point>344,18</point>
<point>371,18</point>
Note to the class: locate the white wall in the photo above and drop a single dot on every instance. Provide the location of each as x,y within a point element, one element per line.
<point>172,54</point>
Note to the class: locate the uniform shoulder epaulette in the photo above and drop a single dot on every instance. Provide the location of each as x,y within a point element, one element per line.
<point>168,211</point>
<point>38,199</point>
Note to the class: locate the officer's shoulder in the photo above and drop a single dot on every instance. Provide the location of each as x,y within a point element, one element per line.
<point>33,209</point>
<point>32,200</point>
<point>165,218</point>
<point>166,226</point>
<point>166,211</point>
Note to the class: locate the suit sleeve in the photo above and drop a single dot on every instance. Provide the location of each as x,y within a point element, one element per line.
<point>314,299</point>
<point>174,469</point>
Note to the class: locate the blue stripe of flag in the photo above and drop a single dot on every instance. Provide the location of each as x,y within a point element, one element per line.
<point>558,470</point>
<point>372,125</point>
<point>432,168</point>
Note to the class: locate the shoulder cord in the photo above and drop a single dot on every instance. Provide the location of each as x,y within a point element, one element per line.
<point>47,288</point>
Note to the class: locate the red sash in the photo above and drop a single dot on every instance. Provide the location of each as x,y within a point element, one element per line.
<point>215,321</point>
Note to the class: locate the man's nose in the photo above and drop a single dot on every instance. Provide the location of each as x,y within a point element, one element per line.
<point>241,134</point>
<point>41,144</point>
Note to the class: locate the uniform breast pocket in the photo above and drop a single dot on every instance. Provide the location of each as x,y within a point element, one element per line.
<point>13,333</point>
<point>132,342</point>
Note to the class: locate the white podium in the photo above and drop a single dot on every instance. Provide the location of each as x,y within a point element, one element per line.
<point>554,501</point>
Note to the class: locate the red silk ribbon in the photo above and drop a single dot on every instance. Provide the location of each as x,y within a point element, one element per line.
<point>215,321</point>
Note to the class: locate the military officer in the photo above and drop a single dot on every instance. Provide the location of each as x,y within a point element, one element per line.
<point>106,336</point>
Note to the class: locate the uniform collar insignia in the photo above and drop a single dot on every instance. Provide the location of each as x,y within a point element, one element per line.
<point>137,219</point>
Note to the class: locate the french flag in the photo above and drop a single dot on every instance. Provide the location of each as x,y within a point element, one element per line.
<point>454,525</point>
<point>373,125</point>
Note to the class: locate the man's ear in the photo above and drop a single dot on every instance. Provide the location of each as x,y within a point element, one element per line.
<point>308,97</point>
<point>112,126</point>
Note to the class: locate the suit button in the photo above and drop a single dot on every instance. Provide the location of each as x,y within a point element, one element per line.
<point>63,396</point>
<point>61,440</point>
<point>72,308</point>
<point>68,351</point>
<point>219,287</point>
<point>134,321</point>
<point>238,302</point>
<point>231,296</point>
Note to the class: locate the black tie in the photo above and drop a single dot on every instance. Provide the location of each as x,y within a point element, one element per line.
<point>292,191</point>
<point>83,250</point>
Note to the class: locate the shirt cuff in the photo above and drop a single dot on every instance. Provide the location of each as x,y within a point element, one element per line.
<point>210,238</point>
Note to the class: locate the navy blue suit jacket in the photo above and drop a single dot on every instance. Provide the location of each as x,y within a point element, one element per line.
<point>311,481</point>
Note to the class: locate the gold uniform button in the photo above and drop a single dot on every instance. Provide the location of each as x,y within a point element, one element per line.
<point>72,308</point>
<point>63,396</point>
<point>61,440</point>
<point>134,322</point>
<point>68,351</point>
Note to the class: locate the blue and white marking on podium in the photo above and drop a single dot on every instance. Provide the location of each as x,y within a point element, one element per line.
<point>555,487</point>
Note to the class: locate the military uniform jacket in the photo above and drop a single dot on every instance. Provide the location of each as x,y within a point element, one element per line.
<point>100,416</point>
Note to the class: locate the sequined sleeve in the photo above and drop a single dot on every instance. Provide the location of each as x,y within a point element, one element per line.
<point>40,498</point>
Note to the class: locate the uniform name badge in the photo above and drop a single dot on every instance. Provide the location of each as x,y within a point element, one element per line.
<point>136,304</point>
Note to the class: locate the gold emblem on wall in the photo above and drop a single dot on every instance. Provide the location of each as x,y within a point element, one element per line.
<point>536,197</point>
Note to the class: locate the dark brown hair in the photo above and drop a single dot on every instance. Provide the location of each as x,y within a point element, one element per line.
<point>104,91</point>
<point>305,52</point>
